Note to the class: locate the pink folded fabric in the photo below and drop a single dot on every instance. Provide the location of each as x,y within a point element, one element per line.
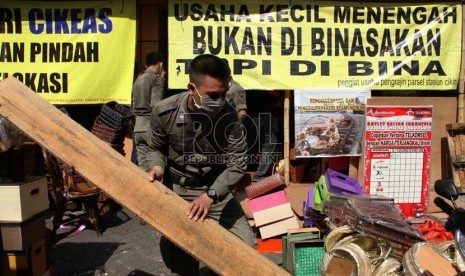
<point>267,201</point>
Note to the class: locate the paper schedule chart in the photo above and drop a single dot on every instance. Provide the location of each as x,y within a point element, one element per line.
<point>397,155</point>
<point>397,175</point>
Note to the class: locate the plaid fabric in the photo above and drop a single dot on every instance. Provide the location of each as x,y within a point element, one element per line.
<point>115,115</point>
<point>108,134</point>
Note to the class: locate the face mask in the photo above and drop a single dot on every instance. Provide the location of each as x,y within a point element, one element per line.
<point>209,106</point>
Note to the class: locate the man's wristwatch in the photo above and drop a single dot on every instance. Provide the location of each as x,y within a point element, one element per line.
<point>211,193</point>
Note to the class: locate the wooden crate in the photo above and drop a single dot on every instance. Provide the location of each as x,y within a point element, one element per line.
<point>20,201</point>
<point>17,236</point>
<point>456,143</point>
<point>32,261</point>
<point>296,170</point>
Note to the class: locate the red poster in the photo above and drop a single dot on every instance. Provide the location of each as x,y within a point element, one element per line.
<point>398,155</point>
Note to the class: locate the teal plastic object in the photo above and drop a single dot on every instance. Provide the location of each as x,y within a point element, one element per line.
<point>287,242</point>
<point>307,257</point>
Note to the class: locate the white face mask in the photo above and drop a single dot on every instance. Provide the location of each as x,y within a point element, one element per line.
<point>209,106</point>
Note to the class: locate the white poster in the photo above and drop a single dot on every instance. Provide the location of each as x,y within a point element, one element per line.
<point>398,155</point>
<point>329,122</point>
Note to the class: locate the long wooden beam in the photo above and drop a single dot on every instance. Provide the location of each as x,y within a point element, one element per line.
<point>287,96</point>
<point>158,206</point>
<point>461,86</point>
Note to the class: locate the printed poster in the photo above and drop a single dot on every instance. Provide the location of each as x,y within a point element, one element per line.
<point>329,122</point>
<point>398,155</point>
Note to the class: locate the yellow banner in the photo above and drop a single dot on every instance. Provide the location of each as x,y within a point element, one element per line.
<point>70,52</point>
<point>320,44</point>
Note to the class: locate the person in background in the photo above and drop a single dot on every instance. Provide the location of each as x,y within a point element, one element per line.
<point>139,69</point>
<point>236,97</point>
<point>164,74</point>
<point>262,135</point>
<point>147,91</point>
<point>187,129</point>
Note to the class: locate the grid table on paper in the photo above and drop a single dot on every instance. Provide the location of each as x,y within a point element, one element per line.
<point>399,177</point>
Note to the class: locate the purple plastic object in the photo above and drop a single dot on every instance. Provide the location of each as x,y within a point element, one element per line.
<point>341,184</point>
<point>308,208</point>
<point>310,199</point>
<point>308,222</point>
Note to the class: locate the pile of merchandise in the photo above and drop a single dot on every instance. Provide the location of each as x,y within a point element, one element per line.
<point>364,235</point>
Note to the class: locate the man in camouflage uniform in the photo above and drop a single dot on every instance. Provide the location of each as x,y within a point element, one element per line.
<point>198,149</point>
<point>146,92</point>
<point>237,98</point>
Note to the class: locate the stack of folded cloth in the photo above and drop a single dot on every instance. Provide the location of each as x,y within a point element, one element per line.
<point>113,123</point>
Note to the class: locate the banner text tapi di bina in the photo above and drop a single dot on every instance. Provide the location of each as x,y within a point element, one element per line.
<point>293,45</point>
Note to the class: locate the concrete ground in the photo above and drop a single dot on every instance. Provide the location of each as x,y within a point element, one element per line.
<point>126,247</point>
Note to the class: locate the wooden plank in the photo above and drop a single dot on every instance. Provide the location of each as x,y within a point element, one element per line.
<point>455,127</point>
<point>297,194</point>
<point>456,144</point>
<point>361,169</point>
<point>286,141</point>
<point>461,86</point>
<point>459,160</point>
<point>354,171</point>
<point>126,183</point>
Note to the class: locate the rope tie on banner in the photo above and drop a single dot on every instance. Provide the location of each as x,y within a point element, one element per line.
<point>122,7</point>
<point>182,11</point>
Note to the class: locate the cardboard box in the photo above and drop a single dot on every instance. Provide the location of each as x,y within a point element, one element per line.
<point>32,261</point>
<point>273,214</point>
<point>267,201</point>
<point>305,257</point>
<point>296,236</point>
<point>22,200</point>
<point>296,195</point>
<point>340,267</point>
<point>427,258</point>
<point>278,227</point>
<point>19,236</point>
